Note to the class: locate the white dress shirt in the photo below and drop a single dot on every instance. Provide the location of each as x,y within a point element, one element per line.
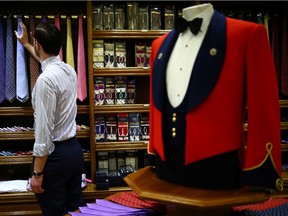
<point>181,62</point>
<point>54,103</point>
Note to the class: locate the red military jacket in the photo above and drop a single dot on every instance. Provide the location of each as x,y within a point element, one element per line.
<point>234,69</point>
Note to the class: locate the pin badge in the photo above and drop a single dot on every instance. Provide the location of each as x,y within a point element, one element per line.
<point>160,55</point>
<point>213,52</point>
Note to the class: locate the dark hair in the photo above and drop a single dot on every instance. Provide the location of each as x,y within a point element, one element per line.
<point>49,37</point>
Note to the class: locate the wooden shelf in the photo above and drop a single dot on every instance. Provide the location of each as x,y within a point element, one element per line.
<point>27,159</point>
<point>129,34</point>
<point>140,108</point>
<point>108,146</point>
<point>283,103</point>
<point>27,111</point>
<point>127,71</point>
<point>283,125</point>
<point>29,135</point>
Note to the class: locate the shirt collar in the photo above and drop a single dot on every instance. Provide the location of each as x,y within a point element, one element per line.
<point>204,11</point>
<point>48,61</point>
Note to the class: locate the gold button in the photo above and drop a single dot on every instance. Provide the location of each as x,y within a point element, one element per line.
<point>173,134</point>
<point>174,117</point>
<point>173,129</point>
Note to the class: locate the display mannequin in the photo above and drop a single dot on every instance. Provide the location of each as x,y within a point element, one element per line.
<point>200,87</point>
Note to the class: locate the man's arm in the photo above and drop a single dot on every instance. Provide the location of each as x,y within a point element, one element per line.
<point>24,40</point>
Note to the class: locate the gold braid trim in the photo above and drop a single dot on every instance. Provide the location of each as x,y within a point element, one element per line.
<point>279,181</point>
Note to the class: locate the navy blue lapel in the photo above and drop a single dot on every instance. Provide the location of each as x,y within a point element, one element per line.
<point>159,68</point>
<point>207,66</point>
<point>209,61</point>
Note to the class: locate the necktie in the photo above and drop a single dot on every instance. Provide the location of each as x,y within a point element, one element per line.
<point>57,24</point>
<point>21,73</point>
<point>81,65</point>
<point>275,46</point>
<point>10,63</point>
<point>44,19</point>
<point>2,63</point>
<point>69,44</point>
<point>34,66</point>
<point>194,25</point>
<point>284,63</point>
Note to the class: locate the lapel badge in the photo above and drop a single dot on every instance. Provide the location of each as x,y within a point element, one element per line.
<point>213,52</point>
<point>160,56</point>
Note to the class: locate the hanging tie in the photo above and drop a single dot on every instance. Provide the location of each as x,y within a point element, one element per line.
<point>57,24</point>
<point>69,44</point>
<point>44,18</point>
<point>276,45</point>
<point>81,65</point>
<point>34,65</point>
<point>194,25</point>
<point>10,63</point>
<point>22,91</point>
<point>284,62</point>
<point>2,63</point>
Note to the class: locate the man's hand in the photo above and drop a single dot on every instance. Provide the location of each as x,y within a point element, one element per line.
<point>36,184</point>
<point>23,38</point>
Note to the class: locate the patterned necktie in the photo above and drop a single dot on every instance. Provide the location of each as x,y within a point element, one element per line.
<point>57,24</point>
<point>2,63</point>
<point>276,46</point>
<point>284,55</point>
<point>34,65</point>
<point>22,91</point>
<point>69,44</point>
<point>10,63</point>
<point>81,65</point>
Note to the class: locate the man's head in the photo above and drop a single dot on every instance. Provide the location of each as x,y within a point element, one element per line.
<point>49,37</point>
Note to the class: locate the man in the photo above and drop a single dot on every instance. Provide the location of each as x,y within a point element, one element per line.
<point>58,158</point>
<point>201,84</point>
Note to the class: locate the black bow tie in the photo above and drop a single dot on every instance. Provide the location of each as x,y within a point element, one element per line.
<point>194,25</point>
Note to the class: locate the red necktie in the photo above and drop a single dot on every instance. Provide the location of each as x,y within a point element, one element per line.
<point>57,24</point>
<point>284,61</point>
<point>275,46</point>
<point>81,65</point>
<point>34,66</point>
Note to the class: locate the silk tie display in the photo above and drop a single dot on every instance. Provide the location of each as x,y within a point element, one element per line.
<point>81,64</point>
<point>194,25</point>
<point>2,63</point>
<point>69,44</point>
<point>57,24</point>
<point>34,65</point>
<point>22,91</point>
<point>284,61</point>
<point>10,63</point>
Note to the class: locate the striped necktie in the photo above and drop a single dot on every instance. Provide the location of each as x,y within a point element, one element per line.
<point>34,65</point>
<point>2,63</point>
<point>81,65</point>
<point>57,24</point>
<point>10,63</point>
<point>22,91</point>
<point>69,44</point>
<point>284,63</point>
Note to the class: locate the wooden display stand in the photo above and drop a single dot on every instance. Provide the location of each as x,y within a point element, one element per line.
<point>182,200</point>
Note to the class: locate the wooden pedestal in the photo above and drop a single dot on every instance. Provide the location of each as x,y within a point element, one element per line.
<point>182,200</point>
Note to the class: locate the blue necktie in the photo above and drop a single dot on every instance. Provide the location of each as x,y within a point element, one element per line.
<point>2,63</point>
<point>10,63</point>
<point>22,91</point>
